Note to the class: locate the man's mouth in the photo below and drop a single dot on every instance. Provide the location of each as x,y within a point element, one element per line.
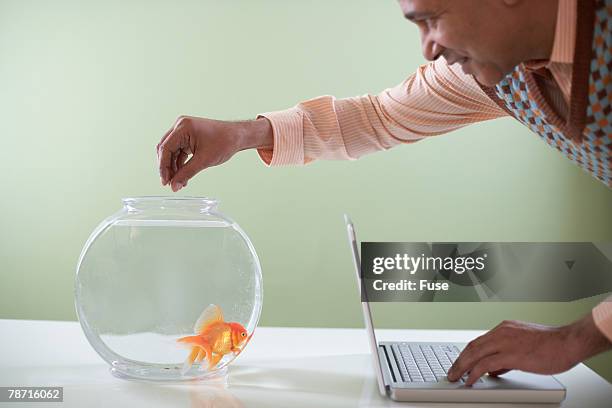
<point>457,60</point>
<point>462,61</point>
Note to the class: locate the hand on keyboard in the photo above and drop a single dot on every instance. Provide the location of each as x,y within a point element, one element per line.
<point>529,347</point>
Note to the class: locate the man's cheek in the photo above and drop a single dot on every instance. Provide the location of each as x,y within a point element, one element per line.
<point>453,35</point>
<point>445,39</point>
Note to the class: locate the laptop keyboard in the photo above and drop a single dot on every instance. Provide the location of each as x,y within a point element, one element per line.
<point>425,363</point>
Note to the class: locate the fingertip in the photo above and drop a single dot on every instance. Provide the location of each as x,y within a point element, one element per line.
<point>455,375</point>
<point>472,379</point>
<point>176,185</point>
<point>163,175</point>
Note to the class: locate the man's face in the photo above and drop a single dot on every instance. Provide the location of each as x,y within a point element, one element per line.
<point>477,34</point>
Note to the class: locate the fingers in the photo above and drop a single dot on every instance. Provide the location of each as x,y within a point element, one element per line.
<point>181,159</point>
<point>157,148</point>
<point>490,363</point>
<point>173,164</point>
<point>178,160</point>
<point>163,139</point>
<point>169,150</point>
<point>175,140</point>
<point>184,173</point>
<point>475,351</point>
<point>491,352</point>
<point>165,162</point>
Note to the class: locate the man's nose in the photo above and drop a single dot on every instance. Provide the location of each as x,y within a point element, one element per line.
<point>431,49</point>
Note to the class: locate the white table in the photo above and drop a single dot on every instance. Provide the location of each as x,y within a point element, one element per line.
<point>281,367</point>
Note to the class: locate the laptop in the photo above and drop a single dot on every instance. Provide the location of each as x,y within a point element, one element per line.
<point>416,371</point>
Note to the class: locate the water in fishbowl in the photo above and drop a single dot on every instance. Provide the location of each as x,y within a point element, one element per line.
<point>147,285</point>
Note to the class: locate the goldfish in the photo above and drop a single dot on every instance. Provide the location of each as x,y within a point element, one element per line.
<point>214,338</point>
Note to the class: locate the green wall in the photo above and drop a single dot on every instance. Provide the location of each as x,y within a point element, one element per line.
<point>87,90</point>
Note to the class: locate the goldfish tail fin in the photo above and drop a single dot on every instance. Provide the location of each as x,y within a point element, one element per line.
<point>189,340</point>
<point>206,351</point>
<point>189,361</point>
<point>201,355</point>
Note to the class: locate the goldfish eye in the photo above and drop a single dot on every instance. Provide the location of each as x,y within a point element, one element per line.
<point>243,334</point>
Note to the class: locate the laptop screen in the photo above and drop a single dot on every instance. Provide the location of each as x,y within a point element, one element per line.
<point>367,314</point>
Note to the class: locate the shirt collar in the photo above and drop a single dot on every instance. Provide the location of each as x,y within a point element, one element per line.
<point>565,37</point>
<point>565,33</point>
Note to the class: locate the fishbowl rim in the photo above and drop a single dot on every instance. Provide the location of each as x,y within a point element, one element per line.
<point>153,198</point>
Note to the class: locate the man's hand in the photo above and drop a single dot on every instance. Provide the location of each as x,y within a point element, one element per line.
<point>529,347</point>
<point>209,143</point>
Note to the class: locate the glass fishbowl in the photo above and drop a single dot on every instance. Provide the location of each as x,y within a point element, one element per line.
<point>168,289</point>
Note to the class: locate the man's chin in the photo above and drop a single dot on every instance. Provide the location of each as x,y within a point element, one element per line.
<point>488,76</point>
<point>488,80</point>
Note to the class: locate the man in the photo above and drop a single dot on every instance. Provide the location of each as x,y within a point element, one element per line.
<point>547,63</point>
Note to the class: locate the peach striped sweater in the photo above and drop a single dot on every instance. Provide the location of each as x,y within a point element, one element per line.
<point>436,99</point>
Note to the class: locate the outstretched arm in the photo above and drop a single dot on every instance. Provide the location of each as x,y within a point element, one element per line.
<point>436,99</point>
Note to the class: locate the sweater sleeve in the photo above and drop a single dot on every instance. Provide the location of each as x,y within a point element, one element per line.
<point>436,99</point>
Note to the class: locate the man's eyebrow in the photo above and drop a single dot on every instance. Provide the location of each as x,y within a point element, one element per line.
<point>418,15</point>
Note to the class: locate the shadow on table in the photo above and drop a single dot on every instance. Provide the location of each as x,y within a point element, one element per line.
<point>321,381</point>
<point>325,374</point>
